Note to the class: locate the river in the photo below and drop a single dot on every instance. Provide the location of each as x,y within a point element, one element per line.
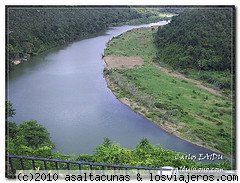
<point>65,91</point>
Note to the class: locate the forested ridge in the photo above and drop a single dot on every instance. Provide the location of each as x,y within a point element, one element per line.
<point>33,30</point>
<point>200,40</point>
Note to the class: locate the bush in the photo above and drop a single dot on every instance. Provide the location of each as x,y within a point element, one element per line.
<point>159,105</point>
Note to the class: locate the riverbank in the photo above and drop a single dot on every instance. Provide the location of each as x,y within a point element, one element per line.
<point>177,105</point>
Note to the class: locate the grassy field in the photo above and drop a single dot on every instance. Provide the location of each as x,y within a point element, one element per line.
<point>177,105</point>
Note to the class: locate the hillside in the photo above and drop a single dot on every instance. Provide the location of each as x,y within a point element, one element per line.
<point>33,30</point>
<point>199,42</point>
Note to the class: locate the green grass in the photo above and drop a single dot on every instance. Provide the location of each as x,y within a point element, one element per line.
<point>195,113</point>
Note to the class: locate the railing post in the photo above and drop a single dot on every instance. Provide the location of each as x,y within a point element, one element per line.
<point>11,165</point>
<point>56,165</point>
<point>22,165</point>
<point>33,164</point>
<point>45,164</point>
<point>90,166</point>
<point>68,166</point>
<point>80,168</point>
<point>126,171</point>
<point>114,170</point>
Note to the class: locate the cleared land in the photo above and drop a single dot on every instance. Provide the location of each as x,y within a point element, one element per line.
<point>180,106</point>
<point>121,62</point>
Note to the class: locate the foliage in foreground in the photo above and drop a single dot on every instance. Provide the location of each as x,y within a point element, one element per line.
<point>144,154</point>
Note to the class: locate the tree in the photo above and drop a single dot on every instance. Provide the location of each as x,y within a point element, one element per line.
<point>12,130</point>
<point>35,134</point>
<point>9,110</point>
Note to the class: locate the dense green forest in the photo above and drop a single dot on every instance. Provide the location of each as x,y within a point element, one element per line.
<point>200,43</point>
<point>33,30</point>
<point>32,139</point>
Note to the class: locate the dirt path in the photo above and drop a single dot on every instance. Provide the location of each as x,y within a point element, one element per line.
<point>199,84</point>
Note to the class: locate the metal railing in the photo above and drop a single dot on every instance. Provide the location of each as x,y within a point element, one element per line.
<point>22,160</point>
